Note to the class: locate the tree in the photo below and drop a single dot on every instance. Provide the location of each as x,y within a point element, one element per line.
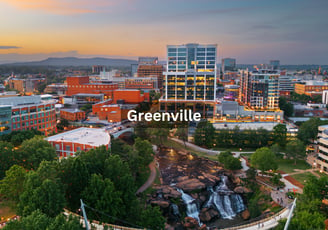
<point>287,107</point>
<point>39,193</point>
<point>159,131</point>
<point>145,151</point>
<point>75,175</point>
<point>280,135</point>
<point>295,149</point>
<point>264,159</point>
<point>310,212</point>
<point>12,185</point>
<point>35,221</point>
<point>308,130</point>
<point>275,148</point>
<point>8,157</point>
<point>62,124</point>
<point>35,150</point>
<point>182,133</point>
<point>205,134</point>
<point>102,195</point>
<point>229,161</point>
<point>151,218</point>
<point>39,221</point>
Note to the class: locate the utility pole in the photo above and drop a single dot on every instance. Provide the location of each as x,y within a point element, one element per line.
<point>290,214</point>
<point>84,215</point>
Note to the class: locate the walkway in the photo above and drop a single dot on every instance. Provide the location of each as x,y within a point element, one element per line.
<point>203,150</point>
<point>151,177</point>
<point>267,223</point>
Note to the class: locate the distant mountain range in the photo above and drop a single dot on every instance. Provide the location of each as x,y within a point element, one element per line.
<point>73,61</point>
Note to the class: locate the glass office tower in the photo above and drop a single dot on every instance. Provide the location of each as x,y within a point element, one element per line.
<point>190,78</point>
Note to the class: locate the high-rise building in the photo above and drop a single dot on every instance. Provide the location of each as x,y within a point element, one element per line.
<point>286,83</point>
<point>190,79</point>
<point>228,64</point>
<point>149,67</point>
<point>260,89</point>
<point>275,64</point>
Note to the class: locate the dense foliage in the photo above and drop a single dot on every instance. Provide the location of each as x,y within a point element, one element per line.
<point>106,180</point>
<point>310,212</point>
<point>229,161</point>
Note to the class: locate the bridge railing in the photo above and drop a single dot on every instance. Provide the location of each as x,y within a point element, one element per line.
<point>99,225</point>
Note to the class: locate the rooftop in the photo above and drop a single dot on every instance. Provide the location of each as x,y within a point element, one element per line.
<point>87,136</point>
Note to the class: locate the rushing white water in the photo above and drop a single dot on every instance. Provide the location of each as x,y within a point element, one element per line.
<point>192,209</point>
<point>225,201</point>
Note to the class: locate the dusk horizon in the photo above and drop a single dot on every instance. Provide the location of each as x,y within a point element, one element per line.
<point>251,32</point>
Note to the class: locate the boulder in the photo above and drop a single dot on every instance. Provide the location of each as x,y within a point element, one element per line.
<point>241,189</point>
<point>183,178</point>
<point>161,203</point>
<point>190,185</point>
<point>204,215</point>
<point>245,214</point>
<point>213,213</point>
<point>190,223</point>
<point>169,192</point>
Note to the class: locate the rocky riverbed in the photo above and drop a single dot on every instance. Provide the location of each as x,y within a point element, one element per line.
<point>198,188</point>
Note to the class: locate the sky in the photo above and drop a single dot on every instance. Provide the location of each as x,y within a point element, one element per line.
<point>252,31</point>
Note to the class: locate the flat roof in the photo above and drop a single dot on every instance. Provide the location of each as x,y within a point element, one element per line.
<point>249,125</point>
<point>87,136</point>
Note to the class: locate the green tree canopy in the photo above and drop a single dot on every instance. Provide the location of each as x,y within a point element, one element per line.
<point>205,134</point>
<point>101,194</point>
<point>8,157</point>
<point>11,187</point>
<point>308,130</point>
<point>46,194</point>
<point>280,135</point>
<point>35,150</point>
<point>264,159</point>
<point>295,149</point>
<point>229,161</point>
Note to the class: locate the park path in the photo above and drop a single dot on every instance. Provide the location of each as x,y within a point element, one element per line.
<point>151,178</point>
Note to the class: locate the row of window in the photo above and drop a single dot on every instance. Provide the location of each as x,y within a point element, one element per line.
<point>26,124</point>
<point>32,116</point>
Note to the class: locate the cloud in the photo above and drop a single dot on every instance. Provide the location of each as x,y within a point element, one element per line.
<point>9,47</point>
<point>63,7</point>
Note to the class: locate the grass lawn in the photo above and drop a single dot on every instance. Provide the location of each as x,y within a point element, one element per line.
<point>302,177</point>
<point>288,165</point>
<point>6,210</point>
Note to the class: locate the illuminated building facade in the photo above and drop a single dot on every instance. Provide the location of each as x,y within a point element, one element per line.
<point>190,79</point>
<point>29,112</point>
<point>260,89</point>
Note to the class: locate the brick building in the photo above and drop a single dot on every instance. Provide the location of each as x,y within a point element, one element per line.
<point>81,139</point>
<point>81,84</point>
<point>311,88</point>
<point>30,112</point>
<point>72,114</point>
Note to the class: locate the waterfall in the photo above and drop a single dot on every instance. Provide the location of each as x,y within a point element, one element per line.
<point>223,199</point>
<point>192,209</point>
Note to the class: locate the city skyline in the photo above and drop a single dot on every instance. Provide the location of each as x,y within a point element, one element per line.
<point>252,31</point>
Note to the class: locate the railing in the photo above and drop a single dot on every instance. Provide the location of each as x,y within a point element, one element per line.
<point>262,221</point>
<point>99,225</point>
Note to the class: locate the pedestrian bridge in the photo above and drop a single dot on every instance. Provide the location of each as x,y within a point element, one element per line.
<point>123,132</point>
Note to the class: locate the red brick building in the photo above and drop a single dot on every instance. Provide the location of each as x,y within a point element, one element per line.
<point>81,139</point>
<point>130,96</point>
<point>72,114</point>
<point>82,85</point>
